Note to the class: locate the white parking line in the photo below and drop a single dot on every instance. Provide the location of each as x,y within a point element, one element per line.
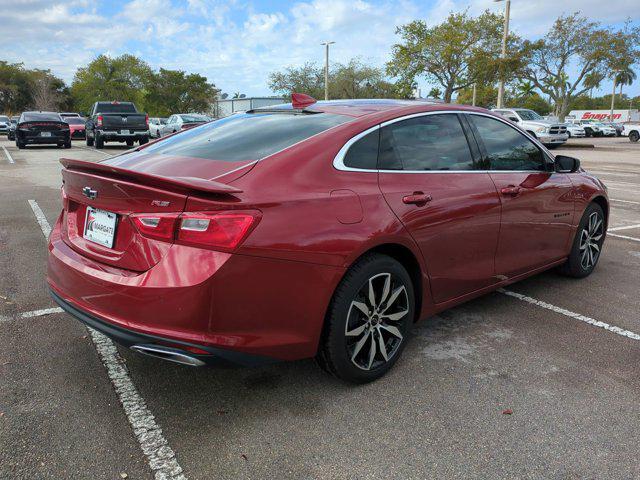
<point>42,220</point>
<point>32,314</point>
<point>623,236</point>
<point>568,313</point>
<point>93,150</point>
<point>160,456</point>
<point>624,201</point>
<point>7,154</point>
<point>626,227</point>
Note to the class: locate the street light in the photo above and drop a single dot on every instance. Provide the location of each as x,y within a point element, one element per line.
<point>505,34</point>
<point>326,69</point>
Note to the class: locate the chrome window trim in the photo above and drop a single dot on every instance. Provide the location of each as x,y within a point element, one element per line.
<point>338,161</point>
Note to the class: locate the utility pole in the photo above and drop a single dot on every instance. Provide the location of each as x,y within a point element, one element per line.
<point>505,34</point>
<point>326,69</point>
<point>473,100</point>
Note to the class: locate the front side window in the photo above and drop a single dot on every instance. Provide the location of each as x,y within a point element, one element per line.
<point>506,148</point>
<point>425,143</point>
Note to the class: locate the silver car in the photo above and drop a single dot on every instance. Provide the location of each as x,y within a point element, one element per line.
<point>182,121</point>
<point>155,125</point>
<point>5,123</point>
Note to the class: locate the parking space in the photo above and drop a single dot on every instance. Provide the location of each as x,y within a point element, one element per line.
<point>518,386</point>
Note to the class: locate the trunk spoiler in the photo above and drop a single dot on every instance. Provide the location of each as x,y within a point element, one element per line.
<point>182,183</point>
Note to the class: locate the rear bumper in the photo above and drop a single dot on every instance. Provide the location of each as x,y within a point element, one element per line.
<point>118,135</point>
<point>243,305</point>
<point>39,140</point>
<point>130,338</point>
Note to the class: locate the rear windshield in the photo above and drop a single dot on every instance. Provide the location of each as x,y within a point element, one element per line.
<point>75,121</point>
<point>246,136</point>
<point>40,116</point>
<point>116,108</point>
<point>194,118</point>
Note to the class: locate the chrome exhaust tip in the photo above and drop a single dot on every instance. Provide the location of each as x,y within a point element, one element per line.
<point>169,354</point>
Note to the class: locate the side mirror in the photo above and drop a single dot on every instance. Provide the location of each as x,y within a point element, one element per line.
<point>564,164</point>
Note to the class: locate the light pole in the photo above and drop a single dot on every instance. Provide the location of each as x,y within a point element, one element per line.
<point>326,69</point>
<point>505,34</point>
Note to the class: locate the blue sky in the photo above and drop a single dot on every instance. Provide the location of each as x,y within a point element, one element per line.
<point>237,43</point>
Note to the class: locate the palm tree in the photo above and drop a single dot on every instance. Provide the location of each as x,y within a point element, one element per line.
<point>525,89</point>
<point>625,77</point>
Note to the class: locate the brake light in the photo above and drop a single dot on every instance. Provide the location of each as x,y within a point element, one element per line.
<point>146,119</point>
<point>99,121</point>
<point>212,230</point>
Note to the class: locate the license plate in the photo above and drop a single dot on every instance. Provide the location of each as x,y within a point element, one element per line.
<point>45,134</point>
<point>125,132</point>
<point>100,226</point>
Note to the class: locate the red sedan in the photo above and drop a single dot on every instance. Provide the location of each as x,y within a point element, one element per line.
<point>315,230</point>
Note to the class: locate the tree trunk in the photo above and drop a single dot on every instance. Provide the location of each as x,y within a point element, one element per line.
<point>564,106</point>
<point>448,92</point>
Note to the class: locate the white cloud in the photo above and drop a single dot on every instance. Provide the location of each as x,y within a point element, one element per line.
<point>237,43</point>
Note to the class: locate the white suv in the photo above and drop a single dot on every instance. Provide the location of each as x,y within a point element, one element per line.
<point>549,134</point>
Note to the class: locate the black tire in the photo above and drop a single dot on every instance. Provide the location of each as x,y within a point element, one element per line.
<point>20,145</point>
<point>568,134</point>
<point>99,141</point>
<point>129,143</point>
<point>576,266</point>
<point>552,146</point>
<point>144,140</point>
<point>634,136</point>
<point>348,356</point>
<point>89,140</point>
<point>68,144</point>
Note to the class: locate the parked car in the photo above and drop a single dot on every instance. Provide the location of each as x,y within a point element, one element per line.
<point>619,128</point>
<point>182,121</point>
<point>590,128</point>
<point>11,135</point>
<point>38,128</point>
<point>632,130</point>
<point>315,229</point>
<point>116,122</point>
<point>5,123</point>
<point>575,130</point>
<point>606,129</point>
<point>549,133</point>
<point>155,124</point>
<point>77,127</point>
<point>70,115</point>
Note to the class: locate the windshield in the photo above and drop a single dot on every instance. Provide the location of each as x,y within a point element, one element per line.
<point>194,118</point>
<point>4,118</point>
<point>74,121</point>
<point>104,107</point>
<point>40,116</point>
<point>246,136</point>
<point>529,115</point>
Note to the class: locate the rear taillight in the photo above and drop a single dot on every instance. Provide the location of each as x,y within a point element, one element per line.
<point>99,121</point>
<point>24,126</point>
<point>146,119</point>
<point>212,230</point>
<point>158,226</point>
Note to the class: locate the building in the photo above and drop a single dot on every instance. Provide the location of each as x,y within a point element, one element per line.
<point>619,116</point>
<point>228,106</point>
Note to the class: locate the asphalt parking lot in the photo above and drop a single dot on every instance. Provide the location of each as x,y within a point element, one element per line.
<point>539,381</point>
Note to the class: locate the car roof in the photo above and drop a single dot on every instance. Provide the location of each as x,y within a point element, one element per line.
<point>355,107</point>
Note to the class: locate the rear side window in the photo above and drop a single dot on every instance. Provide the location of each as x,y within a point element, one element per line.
<point>108,107</point>
<point>507,148</point>
<point>41,116</point>
<point>364,152</point>
<point>247,136</point>
<point>426,143</point>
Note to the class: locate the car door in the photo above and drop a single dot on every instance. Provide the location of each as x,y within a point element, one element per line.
<point>537,203</point>
<point>429,178</point>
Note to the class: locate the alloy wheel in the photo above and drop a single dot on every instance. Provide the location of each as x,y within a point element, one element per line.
<point>374,322</point>
<point>590,241</point>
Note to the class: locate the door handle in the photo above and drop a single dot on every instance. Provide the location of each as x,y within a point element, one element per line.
<point>417,198</point>
<point>510,191</point>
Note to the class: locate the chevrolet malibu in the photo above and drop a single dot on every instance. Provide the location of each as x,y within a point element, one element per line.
<point>315,229</point>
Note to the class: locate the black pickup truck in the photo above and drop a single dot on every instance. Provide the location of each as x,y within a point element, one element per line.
<point>116,122</point>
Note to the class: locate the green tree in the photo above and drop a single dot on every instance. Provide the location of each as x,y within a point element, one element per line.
<point>486,95</point>
<point>15,88</point>
<point>174,91</point>
<point>625,77</point>
<point>435,92</point>
<point>574,40</point>
<point>125,78</point>
<point>455,54</point>
<point>354,79</point>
